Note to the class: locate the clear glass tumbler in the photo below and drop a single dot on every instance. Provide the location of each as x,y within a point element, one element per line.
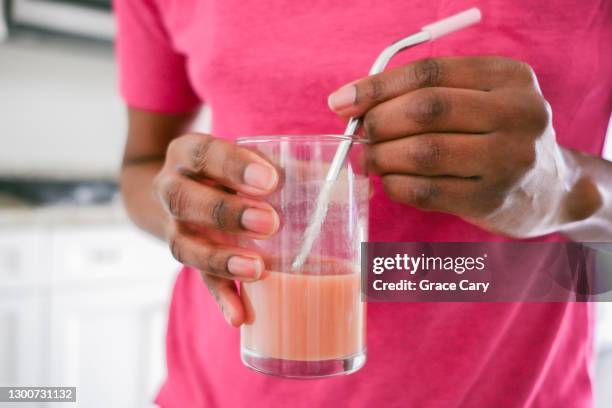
<point>309,322</point>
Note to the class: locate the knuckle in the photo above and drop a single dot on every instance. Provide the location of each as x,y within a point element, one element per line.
<point>514,69</point>
<point>530,115</point>
<point>200,153</point>
<point>216,263</point>
<point>373,159</point>
<point>428,154</point>
<point>423,194</point>
<point>174,196</point>
<point>499,64</point>
<point>234,167</point>
<point>425,73</point>
<point>370,125</point>
<point>221,213</point>
<point>175,246</point>
<point>426,106</point>
<point>372,90</point>
<point>420,194</point>
<point>525,71</point>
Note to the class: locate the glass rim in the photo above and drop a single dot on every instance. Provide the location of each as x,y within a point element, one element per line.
<point>301,138</point>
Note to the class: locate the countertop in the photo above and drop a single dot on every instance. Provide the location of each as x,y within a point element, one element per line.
<point>65,215</point>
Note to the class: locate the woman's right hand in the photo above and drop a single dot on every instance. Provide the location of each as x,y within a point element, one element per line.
<point>197,186</point>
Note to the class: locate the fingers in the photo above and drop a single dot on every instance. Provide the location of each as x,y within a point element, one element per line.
<point>224,261</point>
<point>225,293</point>
<point>434,110</point>
<point>476,73</point>
<point>219,266</point>
<point>443,154</point>
<point>459,196</point>
<point>232,166</point>
<point>197,187</point>
<point>192,202</point>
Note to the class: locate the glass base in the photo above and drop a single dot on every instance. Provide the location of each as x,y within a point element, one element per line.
<point>303,369</point>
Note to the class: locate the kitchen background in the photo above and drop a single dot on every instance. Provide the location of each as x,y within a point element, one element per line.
<point>82,292</point>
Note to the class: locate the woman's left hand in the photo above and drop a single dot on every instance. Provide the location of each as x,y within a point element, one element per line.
<point>470,136</point>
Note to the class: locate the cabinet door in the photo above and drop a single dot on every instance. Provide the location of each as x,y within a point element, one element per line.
<point>23,339</point>
<point>23,308</point>
<point>109,344</point>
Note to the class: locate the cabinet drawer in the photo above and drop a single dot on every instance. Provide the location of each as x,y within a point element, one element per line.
<point>85,252</point>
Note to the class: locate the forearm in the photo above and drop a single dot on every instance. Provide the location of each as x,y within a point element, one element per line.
<point>149,135</point>
<point>144,209</point>
<point>587,208</point>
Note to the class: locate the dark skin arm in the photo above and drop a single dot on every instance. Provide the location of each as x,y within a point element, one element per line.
<point>148,137</point>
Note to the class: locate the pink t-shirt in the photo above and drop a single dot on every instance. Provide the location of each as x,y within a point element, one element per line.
<point>266,68</point>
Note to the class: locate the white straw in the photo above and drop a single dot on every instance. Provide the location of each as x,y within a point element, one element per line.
<point>429,32</point>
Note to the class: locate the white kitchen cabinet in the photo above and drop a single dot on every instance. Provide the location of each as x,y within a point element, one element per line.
<point>23,320</point>
<point>23,356</point>
<point>108,343</point>
<point>84,305</point>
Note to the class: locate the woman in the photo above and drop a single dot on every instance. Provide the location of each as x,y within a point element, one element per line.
<point>463,148</point>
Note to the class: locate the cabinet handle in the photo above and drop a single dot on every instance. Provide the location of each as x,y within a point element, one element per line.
<point>104,256</point>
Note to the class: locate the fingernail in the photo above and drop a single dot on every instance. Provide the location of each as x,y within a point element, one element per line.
<point>342,98</point>
<point>260,221</point>
<point>260,176</point>
<point>245,267</point>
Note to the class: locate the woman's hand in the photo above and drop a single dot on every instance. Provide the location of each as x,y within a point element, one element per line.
<point>197,186</point>
<point>470,136</point>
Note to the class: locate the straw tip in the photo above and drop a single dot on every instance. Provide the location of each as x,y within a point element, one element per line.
<point>454,23</point>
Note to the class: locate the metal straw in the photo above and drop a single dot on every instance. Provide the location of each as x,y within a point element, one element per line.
<point>428,33</point>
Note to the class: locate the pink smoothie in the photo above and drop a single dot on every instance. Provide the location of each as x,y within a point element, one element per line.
<point>305,317</point>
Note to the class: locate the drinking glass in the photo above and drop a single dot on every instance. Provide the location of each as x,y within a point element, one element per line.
<point>308,321</point>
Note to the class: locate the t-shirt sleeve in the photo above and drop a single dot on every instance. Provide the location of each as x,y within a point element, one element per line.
<point>152,74</point>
